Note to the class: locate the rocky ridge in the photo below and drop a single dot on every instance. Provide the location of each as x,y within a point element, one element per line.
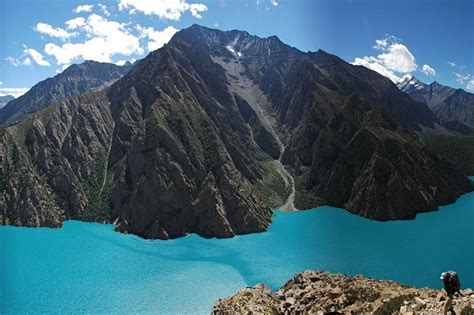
<point>76,79</point>
<point>317,292</point>
<point>449,104</point>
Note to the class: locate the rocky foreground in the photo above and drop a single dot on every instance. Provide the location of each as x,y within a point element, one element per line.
<point>317,292</point>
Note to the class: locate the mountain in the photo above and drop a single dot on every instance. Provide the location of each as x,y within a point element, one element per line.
<point>5,99</point>
<point>317,292</point>
<point>210,132</point>
<point>447,103</point>
<point>408,83</point>
<point>76,79</point>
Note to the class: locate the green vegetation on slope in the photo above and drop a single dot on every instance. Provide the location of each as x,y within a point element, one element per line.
<point>98,187</point>
<point>459,149</point>
<point>272,188</point>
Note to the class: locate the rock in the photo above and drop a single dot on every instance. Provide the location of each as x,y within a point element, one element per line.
<point>467,292</point>
<point>336,292</point>
<point>440,297</point>
<point>366,295</point>
<point>420,301</point>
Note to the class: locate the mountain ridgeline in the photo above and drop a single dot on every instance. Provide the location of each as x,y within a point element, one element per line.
<point>76,79</point>
<point>209,133</point>
<point>447,103</point>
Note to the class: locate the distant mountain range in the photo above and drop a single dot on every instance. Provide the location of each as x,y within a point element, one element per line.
<point>447,103</point>
<point>5,99</point>
<point>76,79</point>
<point>209,133</point>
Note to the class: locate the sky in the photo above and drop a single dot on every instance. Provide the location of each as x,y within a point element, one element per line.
<point>430,39</point>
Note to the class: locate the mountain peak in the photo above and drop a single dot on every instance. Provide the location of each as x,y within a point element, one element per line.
<point>409,82</point>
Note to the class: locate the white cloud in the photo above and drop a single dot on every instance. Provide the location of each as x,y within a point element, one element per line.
<point>16,92</point>
<point>83,8</point>
<point>373,64</point>
<point>393,60</point>
<point>104,9</point>
<point>274,2</point>
<point>465,78</point>
<point>1,83</point>
<point>105,39</point>
<point>398,58</point>
<point>452,64</point>
<point>429,71</point>
<point>75,23</point>
<point>470,85</point>
<point>157,38</point>
<point>164,9</point>
<point>55,32</point>
<point>196,8</point>
<point>121,62</point>
<point>36,56</point>
<point>26,57</point>
<point>462,78</point>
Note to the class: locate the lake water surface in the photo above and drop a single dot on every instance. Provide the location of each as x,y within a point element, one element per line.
<point>89,268</point>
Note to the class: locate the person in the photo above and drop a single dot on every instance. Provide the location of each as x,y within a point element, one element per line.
<point>452,285</point>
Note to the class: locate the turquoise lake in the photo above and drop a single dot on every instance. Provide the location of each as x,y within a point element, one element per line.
<point>89,268</point>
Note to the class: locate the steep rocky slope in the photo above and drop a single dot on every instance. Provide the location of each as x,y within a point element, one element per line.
<point>76,79</point>
<point>325,111</point>
<point>316,292</point>
<point>53,163</point>
<point>210,132</point>
<point>447,103</point>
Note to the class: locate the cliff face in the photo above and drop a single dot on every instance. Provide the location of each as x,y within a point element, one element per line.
<point>183,155</point>
<point>192,140</point>
<point>447,103</point>
<point>316,292</point>
<point>53,163</point>
<point>76,79</point>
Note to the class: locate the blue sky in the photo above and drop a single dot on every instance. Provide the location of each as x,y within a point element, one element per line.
<point>433,40</point>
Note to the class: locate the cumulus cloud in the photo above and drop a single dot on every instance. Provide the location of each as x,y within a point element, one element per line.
<point>452,64</point>
<point>36,56</point>
<point>274,2</point>
<point>55,32</point>
<point>429,71</point>
<point>104,39</point>
<point>83,8</point>
<point>75,23</point>
<point>27,58</point>
<point>394,59</point>
<point>104,9</point>
<point>196,8</point>
<point>16,92</point>
<point>157,38</point>
<point>164,9</point>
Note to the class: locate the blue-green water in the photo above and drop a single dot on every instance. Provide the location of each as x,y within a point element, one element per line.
<point>89,268</point>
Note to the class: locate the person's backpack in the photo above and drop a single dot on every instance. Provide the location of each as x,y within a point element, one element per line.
<point>454,281</point>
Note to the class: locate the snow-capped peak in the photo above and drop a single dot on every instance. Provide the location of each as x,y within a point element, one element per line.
<point>408,83</point>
